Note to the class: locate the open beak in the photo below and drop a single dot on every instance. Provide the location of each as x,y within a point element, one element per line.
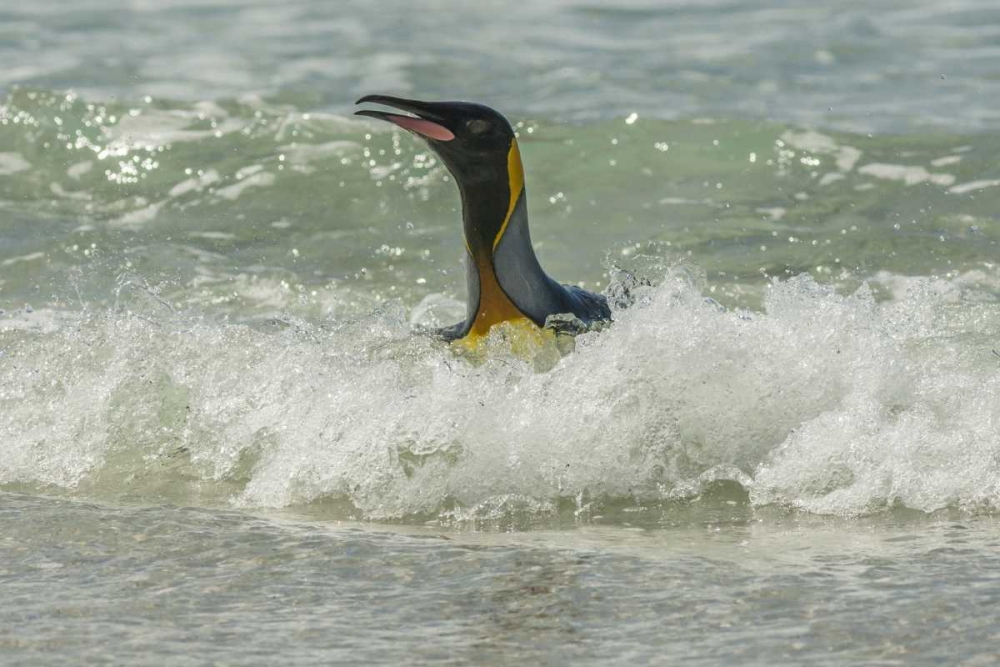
<point>424,122</point>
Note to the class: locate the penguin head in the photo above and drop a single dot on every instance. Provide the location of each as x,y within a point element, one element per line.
<point>473,140</point>
<point>478,147</point>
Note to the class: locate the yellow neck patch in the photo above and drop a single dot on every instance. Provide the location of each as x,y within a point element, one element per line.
<point>515,177</point>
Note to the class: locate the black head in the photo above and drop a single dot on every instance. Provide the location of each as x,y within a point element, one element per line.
<point>477,145</point>
<point>473,140</point>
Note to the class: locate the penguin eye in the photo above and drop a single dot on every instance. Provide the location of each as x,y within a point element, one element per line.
<point>478,126</point>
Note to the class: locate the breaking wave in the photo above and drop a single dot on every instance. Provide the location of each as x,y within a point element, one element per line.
<point>822,402</point>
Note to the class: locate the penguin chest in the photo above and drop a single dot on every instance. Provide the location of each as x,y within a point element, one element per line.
<point>496,309</point>
<point>495,306</point>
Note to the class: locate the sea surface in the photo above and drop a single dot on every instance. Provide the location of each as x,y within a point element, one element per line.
<point>227,438</point>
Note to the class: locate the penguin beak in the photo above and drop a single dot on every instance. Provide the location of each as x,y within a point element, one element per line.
<point>426,121</point>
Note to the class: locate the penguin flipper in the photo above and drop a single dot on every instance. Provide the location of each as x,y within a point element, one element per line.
<point>452,333</point>
<point>589,307</point>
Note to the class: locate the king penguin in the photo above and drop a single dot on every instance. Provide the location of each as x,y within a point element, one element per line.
<point>505,281</point>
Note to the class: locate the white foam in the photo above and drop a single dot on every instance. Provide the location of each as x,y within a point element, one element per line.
<point>195,183</point>
<point>811,141</point>
<point>259,180</point>
<point>971,186</point>
<point>946,160</point>
<point>824,402</point>
<point>12,163</point>
<point>138,217</point>
<point>909,175</point>
<point>78,170</point>
<point>31,257</point>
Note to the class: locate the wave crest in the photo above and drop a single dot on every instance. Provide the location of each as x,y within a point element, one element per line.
<point>821,402</point>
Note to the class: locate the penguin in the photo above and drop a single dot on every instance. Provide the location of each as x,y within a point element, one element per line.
<point>505,282</point>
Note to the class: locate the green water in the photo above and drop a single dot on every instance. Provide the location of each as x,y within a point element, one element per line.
<point>223,438</point>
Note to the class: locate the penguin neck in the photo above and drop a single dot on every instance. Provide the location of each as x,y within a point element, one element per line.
<point>488,304</point>
<point>490,201</point>
<point>484,217</point>
<point>506,282</point>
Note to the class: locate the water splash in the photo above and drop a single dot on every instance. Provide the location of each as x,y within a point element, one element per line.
<point>822,402</point>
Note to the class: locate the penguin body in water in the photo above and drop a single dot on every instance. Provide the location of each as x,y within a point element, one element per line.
<point>504,279</point>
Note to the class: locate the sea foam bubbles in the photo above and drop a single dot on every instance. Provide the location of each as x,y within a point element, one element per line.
<point>823,402</point>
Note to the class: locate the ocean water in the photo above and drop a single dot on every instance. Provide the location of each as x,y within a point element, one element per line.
<point>225,437</point>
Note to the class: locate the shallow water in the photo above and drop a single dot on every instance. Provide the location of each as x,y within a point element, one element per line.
<point>223,436</point>
<point>192,586</point>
